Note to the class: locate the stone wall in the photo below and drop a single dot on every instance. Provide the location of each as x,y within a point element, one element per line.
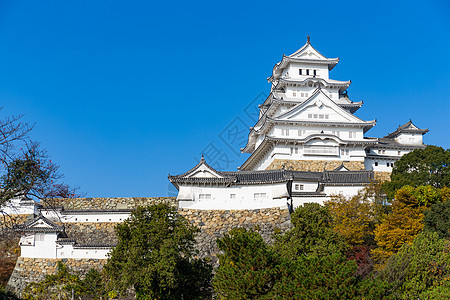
<point>92,233</point>
<point>112,203</point>
<point>35,269</point>
<point>9,244</point>
<point>382,176</point>
<point>314,165</point>
<point>215,223</point>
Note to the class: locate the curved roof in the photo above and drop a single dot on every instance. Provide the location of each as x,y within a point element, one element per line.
<point>408,127</point>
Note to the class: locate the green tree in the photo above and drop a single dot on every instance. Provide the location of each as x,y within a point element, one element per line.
<point>419,269</point>
<point>248,267</point>
<point>64,282</point>
<point>429,166</point>
<point>313,258</point>
<point>312,233</point>
<point>437,219</point>
<point>155,255</point>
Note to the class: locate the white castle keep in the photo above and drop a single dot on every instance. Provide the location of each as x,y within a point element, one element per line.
<point>306,146</point>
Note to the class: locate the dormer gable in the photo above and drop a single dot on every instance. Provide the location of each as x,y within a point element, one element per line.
<point>202,170</point>
<point>40,224</point>
<point>320,108</point>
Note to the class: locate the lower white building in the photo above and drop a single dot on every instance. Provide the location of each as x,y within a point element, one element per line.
<point>203,187</point>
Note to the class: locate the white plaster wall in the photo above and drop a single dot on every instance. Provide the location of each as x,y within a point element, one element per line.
<point>82,218</point>
<point>307,186</point>
<point>244,197</point>
<point>382,165</point>
<point>68,251</point>
<point>347,191</point>
<point>15,207</point>
<point>40,249</point>
<point>298,201</point>
<point>410,139</point>
<point>342,133</point>
<point>292,68</point>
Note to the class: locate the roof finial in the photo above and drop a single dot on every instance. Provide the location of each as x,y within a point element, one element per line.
<point>203,158</point>
<point>308,39</point>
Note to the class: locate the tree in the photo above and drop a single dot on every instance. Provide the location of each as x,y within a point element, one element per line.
<point>312,233</point>
<point>429,166</point>
<point>406,220</point>
<point>437,219</point>
<point>25,169</point>
<point>355,217</point>
<point>420,270</point>
<point>155,255</point>
<point>248,269</point>
<point>64,282</point>
<point>313,258</point>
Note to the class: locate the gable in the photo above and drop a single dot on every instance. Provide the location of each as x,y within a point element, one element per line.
<point>319,108</point>
<point>203,170</point>
<point>307,52</point>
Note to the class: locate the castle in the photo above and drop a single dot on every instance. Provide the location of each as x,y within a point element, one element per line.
<point>306,146</point>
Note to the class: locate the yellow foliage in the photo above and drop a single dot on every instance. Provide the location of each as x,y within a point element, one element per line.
<point>398,228</point>
<point>351,217</point>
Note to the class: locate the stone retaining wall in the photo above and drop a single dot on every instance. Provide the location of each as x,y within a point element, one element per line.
<point>212,223</point>
<point>215,223</point>
<point>382,176</point>
<point>112,203</point>
<point>35,269</point>
<point>314,165</point>
<point>92,233</point>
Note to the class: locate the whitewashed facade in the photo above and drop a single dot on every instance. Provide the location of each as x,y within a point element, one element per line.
<point>307,117</point>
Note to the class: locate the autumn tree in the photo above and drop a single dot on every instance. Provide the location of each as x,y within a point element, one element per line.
<point>429,166</point>
<point>155,255</point>
<point>406,220</point>
<point>355,217</point>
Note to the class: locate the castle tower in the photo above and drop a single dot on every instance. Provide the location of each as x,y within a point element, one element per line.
<point>307,122</point>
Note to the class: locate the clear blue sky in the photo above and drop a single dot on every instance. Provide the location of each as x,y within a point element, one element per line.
<point>125,92</point>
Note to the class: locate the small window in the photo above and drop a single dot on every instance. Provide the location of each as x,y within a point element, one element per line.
<point>292,150</point>
<point>39,237</point>
<point>307,71</point>
<point>327,117</point>
<point>321,116</point>
<point>315,72</point>
<point>204,196</point>
<point>259,195</point>
<point>299,71</point>
<point>309,116</point>
<point>294,93</point>
<point>399,152</point>
<point>296,150</point>
<point>62,253</point>
<point>299,187</point>
<point>392,164</point>
<point>376,164</point>
<point>315,116</point>
<point>387,164</point>
<point>379,151</point>
<point>285,132</point>
<point>232,196</point>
